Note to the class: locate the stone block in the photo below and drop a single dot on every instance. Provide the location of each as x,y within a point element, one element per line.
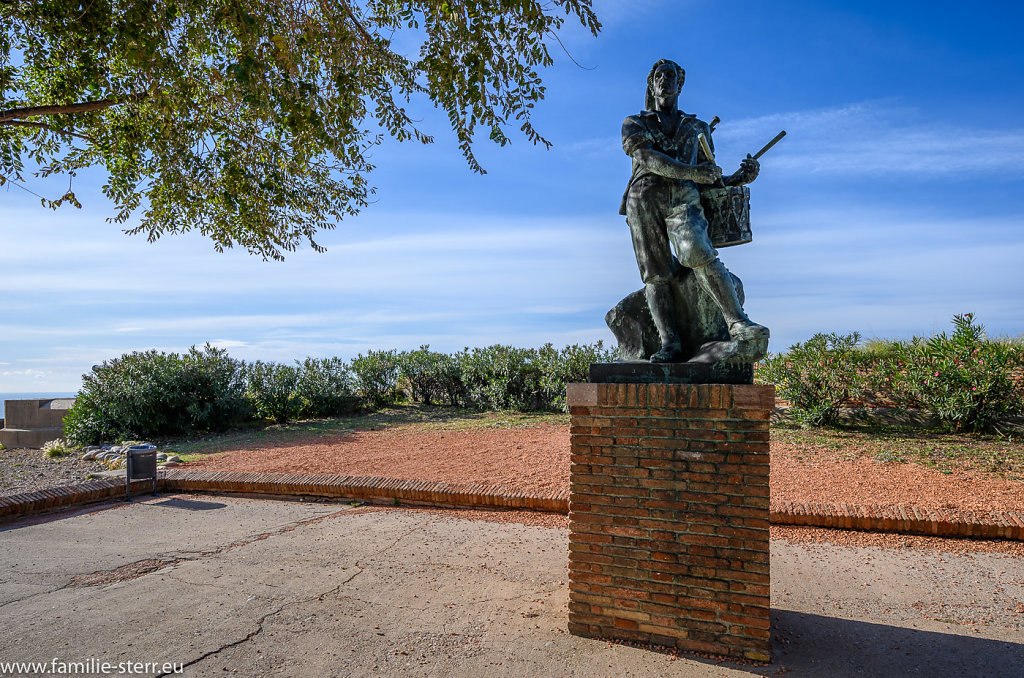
<point>31,423</point>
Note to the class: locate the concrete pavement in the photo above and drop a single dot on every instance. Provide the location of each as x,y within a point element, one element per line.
<point>257,587</point>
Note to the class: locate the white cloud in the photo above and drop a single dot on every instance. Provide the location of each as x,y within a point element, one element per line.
<point>872,138</point>
<point>885,273</point>
<point>27,372</point>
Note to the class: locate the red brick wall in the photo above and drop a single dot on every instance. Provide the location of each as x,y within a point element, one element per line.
<point>668,510</point>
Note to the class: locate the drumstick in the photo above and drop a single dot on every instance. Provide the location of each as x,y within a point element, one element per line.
<point>767,147</point>
<point>705,147</point>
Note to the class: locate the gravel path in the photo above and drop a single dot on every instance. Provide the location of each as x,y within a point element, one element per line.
<point>27,470</point>
<point>536,459</point>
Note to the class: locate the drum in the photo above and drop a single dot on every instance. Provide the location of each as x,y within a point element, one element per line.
<point>728,213</point>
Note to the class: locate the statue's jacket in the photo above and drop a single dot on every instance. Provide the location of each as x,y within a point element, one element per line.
<point>645,128</point>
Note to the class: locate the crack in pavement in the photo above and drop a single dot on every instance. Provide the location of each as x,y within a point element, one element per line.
<point>33,595</point>
<point>260,622</point>
<point>229,587</point>
<point>319,596</point>
<point>196,555</point>
<point>139,568</point>
<point>148,566</point>
<point>392,545</point>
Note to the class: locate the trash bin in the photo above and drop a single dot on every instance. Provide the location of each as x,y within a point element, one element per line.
<point>141,463</point>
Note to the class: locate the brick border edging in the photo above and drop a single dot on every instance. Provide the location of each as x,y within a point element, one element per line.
<point>896,519</point>
<point>89,492</point>
<point>363,488</point>
<point>901,520</point>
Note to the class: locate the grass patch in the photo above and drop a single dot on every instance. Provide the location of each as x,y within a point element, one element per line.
<point>423,417</point>
<point>945,452</point>
<point>59,448</point>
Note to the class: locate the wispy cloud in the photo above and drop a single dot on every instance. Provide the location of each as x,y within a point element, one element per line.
<point>876,138</point>
<point>883,272</point>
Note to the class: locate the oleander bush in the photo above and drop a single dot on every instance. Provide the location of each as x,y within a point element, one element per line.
<point>568,366</point>
<point>157,394</point>
<point>376,377</point>
<point>431,378</point>
<point>272,390</point>
<point>818,377</point>
<point>153,394</point>
<point>502,378</point>
<point>965,380</point>
<point>326,388</point>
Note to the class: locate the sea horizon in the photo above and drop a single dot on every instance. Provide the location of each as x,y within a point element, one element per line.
<point>32,395</point>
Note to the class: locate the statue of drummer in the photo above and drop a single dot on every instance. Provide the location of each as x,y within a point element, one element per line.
<point>663,209</point>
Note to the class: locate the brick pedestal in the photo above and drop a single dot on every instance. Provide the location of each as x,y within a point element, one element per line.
<point>668,534</point>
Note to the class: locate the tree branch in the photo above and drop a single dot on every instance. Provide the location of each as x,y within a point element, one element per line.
<point>367,38</point>
<point>84,107</point>
<point>43,125</point>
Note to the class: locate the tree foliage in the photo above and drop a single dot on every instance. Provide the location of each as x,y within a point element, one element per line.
<point>251,120</point>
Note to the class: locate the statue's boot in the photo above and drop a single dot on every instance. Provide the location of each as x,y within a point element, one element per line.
<point>714,279</point>
<point>661,301</point>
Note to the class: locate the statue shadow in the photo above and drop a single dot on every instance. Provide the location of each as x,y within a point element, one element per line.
<point>191,504</point>
<point>814,645</point>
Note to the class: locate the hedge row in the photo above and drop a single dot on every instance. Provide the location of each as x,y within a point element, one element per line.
<point>966,381</point>
<point>154,394</point>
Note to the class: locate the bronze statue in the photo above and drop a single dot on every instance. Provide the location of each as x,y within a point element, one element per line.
<point>695,303</point>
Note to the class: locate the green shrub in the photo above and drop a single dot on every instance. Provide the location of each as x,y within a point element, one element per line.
<point>431,377</point>
<point>326,388</point>
<point>153,394</point>
<point>376,377</point>
<point>272,390</point>
<point>502,378</point>
<point>817,377</point>
<point>568,366</point>
<point>964,380</point>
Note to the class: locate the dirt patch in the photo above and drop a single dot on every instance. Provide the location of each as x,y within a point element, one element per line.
<point>865,481</point>
<point>532,459</point>
<point>536,459</point>
<point>123,573</point>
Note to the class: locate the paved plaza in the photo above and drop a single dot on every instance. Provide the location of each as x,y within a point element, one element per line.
<point>255,587</point>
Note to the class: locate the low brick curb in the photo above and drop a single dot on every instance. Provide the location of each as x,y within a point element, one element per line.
<point>361,488</point>
<point>902,520</point>
<point>419,492</point>
<point>898,519</point>
<point>89,492</point>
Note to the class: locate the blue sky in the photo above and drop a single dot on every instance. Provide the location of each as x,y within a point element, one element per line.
<point>895,202</point>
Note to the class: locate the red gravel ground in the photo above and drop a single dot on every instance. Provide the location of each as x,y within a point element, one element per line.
<point>536,459</point>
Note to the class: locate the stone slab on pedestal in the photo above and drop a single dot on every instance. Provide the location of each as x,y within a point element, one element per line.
<point>33,422</point>
<point>668,510</point>
<point>645,372</point>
